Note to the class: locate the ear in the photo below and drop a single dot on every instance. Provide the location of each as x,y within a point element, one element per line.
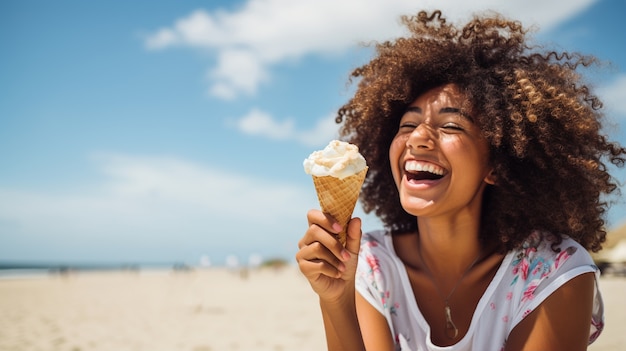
<point>491,177</point>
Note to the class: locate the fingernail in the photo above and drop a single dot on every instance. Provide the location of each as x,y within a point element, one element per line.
<point>345,254</point>
<point>341,267</point>
<point>336,227</point>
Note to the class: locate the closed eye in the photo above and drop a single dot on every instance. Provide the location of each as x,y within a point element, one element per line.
<point>408,126</point>
<point>452,126</point>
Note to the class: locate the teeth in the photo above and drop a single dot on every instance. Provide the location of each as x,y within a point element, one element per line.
<point>414,166</point>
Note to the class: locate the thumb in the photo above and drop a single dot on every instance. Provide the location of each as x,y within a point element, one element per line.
<point>353,237</point>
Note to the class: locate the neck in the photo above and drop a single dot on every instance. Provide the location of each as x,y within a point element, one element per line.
<point>449,246</point>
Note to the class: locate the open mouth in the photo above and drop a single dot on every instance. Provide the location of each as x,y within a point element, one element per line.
<point>423,176</point>
<point>423,171</point>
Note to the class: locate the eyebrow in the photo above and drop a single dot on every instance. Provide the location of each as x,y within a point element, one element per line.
<point>418,109</point>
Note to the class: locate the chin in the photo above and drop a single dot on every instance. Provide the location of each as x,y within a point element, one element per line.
<point>416,207</point>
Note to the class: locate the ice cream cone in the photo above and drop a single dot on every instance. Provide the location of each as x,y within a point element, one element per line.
<point>338,197</point>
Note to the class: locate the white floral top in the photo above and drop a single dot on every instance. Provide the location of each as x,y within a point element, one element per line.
<point>525,278</point>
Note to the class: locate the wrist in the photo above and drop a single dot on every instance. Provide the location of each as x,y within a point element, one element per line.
<point>346,298</point>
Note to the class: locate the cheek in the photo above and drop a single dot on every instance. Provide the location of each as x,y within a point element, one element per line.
<point>398,144</point>
<point>396,150</point>
<point>474,157</point>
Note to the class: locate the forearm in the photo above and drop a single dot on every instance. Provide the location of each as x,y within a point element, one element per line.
<point>341,325</point>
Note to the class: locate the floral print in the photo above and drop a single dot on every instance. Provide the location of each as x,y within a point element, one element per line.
<point>374,274</point>
<point>532,269</point>
<point>598,325</point>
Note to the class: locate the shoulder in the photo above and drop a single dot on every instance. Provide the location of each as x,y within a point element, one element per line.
<point>540,258</point>
<point>374,245</point>
<point>541,267</point>
<point>382,282</point>
<point>376,261</point>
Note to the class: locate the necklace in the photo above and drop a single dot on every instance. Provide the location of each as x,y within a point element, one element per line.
<point>451,330</point>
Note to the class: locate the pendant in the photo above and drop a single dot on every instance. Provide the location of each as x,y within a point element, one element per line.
<point>451,330</point>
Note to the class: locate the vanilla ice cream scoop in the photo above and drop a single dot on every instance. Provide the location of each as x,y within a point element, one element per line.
<point>338,159</point>
<point>338,172</point>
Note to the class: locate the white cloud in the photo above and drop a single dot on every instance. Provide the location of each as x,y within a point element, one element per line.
<point>259,123</point>
<point>263,33</point>
<point>237,71</point>
<point>614,96</point>
<point>155,202</point>
<point>161,39</point>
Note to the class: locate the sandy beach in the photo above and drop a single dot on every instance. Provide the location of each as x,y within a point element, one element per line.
<point>199,310</point>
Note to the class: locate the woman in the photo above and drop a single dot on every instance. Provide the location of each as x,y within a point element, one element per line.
<point>487,168</point>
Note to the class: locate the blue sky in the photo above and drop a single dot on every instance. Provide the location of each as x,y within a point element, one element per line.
<point>145,132</point>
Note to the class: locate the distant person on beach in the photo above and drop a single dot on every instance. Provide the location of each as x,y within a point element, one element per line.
<point>488,169</point>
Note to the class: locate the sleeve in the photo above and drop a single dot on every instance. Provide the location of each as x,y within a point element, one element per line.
<point>540,271</point>
<point>369,278</point>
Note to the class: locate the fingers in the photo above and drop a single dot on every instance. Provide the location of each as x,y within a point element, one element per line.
<point>353,238</point>
<point>320,252</point>
<point>315,259</point>
<point>322,229</point>
<point>323,220</point>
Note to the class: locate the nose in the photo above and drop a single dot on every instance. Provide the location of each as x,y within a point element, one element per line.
<point>422,137</point>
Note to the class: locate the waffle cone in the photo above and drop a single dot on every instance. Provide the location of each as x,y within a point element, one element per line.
<point>338,197</point>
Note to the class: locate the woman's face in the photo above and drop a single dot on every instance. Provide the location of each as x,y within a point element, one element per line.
<point>439,159</point>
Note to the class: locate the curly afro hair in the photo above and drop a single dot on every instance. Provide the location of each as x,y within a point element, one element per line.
<point>541,121</point>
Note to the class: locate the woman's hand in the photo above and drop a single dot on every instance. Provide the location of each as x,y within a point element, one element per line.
<point>329,267</point>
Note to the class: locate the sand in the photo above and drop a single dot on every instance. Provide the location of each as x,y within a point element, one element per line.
<point>201,310</point>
